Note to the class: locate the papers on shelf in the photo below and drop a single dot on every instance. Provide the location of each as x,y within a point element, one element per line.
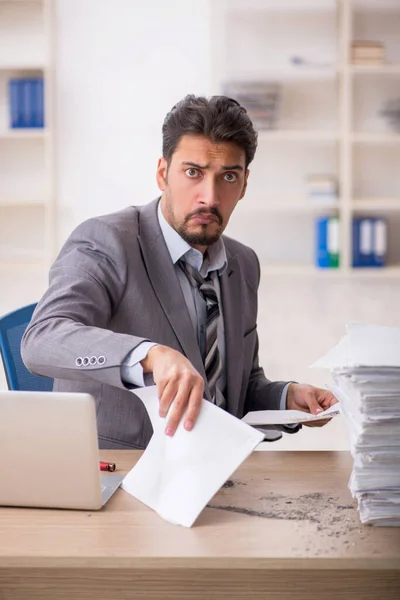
<point>284,417</point>
<point>177,476</point>
<point>365,369</point>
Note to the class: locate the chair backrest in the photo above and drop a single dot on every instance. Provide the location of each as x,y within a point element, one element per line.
<point>12,328</point>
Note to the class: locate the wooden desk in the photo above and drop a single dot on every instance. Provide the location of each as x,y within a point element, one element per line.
<point>285,527</point>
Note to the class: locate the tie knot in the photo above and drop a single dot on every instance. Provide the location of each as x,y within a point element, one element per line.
<point>205,285</point>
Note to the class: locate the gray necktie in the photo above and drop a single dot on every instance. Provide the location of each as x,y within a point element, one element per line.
<point>212,362</point>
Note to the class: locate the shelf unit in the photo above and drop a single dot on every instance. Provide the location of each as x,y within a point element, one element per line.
<point>328,123</point>
<point>27,163</point>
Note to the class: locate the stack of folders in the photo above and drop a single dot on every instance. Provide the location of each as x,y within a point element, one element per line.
<point>369,242</point>
<point>260,99</point>
<point>322,189</point>
<point>327,242</point>
<point>26,102</point>
<point>365,368</point>
<point>367,53</point>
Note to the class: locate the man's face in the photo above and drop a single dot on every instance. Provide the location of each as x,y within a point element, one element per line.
<point>201,186</point>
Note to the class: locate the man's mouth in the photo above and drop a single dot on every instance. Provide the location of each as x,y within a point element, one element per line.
<point>205,219</point>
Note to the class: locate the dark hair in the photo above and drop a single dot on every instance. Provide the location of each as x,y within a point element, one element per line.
<point>220,119</point>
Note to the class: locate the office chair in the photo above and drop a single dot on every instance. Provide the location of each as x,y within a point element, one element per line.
<point>12,328</point>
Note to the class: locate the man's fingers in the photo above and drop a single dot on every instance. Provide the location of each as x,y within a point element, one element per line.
<point>329,400</point>
<point>313,405</point>
<point>178,408</point>
<point>179,387</point>
<point>319,423</point>
<point>167,396</point>
<point>195,399</point>
<point>161,385</point>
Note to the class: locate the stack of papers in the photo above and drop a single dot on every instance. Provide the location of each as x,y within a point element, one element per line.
<point>365,369</point>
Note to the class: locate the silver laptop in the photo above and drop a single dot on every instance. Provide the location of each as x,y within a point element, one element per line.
<point>49,452</point>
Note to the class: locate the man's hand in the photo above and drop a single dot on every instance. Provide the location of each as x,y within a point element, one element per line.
<point>177,382</point>
<point>305,397</point>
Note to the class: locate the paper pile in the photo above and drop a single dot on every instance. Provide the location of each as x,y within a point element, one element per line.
<point>365,368</point>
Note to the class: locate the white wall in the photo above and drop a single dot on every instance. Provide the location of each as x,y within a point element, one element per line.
<point>121,66</point>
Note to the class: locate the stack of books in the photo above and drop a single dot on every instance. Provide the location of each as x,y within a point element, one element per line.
<point>369,242</point>
<point>260,99</point>
<point>322,189</point>
<point>26,103</point>
<point>367,53</point>
<point>365,368</point>
<point>327,242</point>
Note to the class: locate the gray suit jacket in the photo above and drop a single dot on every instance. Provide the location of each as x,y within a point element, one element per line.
<point>114,285</point>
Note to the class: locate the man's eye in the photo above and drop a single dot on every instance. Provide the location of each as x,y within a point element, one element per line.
<point>231,177</point>
<point>192,173</point>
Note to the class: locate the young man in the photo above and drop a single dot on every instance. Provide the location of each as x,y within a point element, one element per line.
<point>156,291</point>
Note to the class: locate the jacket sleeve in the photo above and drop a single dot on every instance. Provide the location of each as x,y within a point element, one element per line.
<point>68,336</point>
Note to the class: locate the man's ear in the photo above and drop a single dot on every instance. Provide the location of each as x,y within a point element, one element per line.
<point>162,172</point>
<point>245,184</point>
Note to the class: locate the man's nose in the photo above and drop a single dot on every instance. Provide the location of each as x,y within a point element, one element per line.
<point>209,196</point>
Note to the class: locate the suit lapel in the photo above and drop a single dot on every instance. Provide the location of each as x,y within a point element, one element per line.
<point>166,285</point>
<point>231,293</point>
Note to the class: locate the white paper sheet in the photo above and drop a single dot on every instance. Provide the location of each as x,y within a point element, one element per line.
<point>283,417</point>
<point>177,476</point>
<point>364,345</point>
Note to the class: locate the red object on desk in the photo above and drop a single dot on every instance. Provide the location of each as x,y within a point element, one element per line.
<point>106,466</point>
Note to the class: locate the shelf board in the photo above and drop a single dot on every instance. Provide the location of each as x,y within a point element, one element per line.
<point>22,202</point>
<point>287,269</point>
<point>283,73</point>
<point>6,264</point>
<point>374,204</point>
<point>375,138</point>
<point>389,272</point>
<point>274,205</point>
<point>280,135</point>
<point>22,66</point>
<point>376,5</point>
<point>281,5</point>
<point>384,69</point>
<point>24,134</point>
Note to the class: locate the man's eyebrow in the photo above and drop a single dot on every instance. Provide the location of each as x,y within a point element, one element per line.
<point>188,163</point>
<point>233,168</point>
<point>224,168</point>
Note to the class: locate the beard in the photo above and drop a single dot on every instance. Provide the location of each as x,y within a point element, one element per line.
<point>200,237</point>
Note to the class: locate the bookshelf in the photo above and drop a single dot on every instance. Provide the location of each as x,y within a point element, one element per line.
<point>27,165</point>
<point>329,123</point>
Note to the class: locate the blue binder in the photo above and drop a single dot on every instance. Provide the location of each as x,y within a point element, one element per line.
<point>322,254</point>
<point>26,103</point>
<point>379,242</point>
<point>15,103</point>
<point>39,103</point>
<point>362,242</point>
<point>369,242</point>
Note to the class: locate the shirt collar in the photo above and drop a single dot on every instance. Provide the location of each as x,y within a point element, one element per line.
<point>178,248</point>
